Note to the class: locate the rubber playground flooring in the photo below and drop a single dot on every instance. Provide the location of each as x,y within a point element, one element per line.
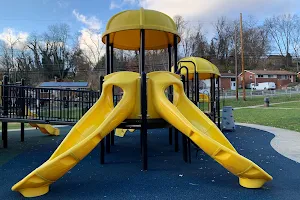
<point>168,176</point>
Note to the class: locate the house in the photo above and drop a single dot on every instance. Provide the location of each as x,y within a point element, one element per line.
<point>227,81</point>
<point>280,77</point>
<point>48,88</point>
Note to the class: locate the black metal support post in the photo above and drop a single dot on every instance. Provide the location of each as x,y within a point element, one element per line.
<point>214,99</point>
<point>112,133</point>
<point>196,77</point>
<point>102,145</point>
<point>5,109</point>
<point>218,101</point>
<point>144,121</point>
<point>184,137</point>
<point>107,61</point>
<point>22,93</point>
<point>143,101</point>
<point>170,91</point>
<point>212,96</point>
<point>175,69</point>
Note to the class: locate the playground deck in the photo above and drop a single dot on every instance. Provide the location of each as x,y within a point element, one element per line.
<point>168,176</point>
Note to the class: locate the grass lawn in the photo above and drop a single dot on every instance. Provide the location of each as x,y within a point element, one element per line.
<point>14,125</point>
<point>288,105</point>
<point>280,118</point>
<point>71,113</point>
<point>258,100</point>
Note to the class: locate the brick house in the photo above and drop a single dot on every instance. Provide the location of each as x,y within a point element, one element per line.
<point>280,77</point>
<point>227,81</point>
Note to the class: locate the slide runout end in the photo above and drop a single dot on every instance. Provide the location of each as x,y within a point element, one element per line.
<point>251,183</point>
<point>34,192</point>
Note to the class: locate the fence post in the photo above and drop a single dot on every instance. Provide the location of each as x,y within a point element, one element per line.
<point>5,109</point>
<point>22,96</point>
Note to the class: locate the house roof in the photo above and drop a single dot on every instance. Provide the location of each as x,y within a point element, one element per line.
<point>64,84</point>
<point>227,75</point>
<point>272,72</point>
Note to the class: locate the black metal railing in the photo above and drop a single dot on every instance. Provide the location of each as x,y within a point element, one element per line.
<point>46,104</point>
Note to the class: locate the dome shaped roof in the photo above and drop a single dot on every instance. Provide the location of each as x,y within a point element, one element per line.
<point>124,30</point>
<point>204,68</point>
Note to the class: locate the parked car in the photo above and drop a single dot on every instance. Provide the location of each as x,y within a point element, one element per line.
<point>263,86</point>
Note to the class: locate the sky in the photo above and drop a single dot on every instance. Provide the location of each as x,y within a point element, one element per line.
<point>20,18</point>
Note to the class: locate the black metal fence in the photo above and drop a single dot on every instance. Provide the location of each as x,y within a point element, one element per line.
<point>20,103</point>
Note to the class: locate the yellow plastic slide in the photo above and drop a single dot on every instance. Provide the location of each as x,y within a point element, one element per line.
<point>191,121</point>
<point>44,128</point>
<point>100,120</point>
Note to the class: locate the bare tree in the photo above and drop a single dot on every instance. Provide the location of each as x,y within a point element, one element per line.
<point>224,33</point>
<point>256,43</point>
<point>33,44</point>
<point>92,46</point>
<point>5,58</point>
<point>281,29</point>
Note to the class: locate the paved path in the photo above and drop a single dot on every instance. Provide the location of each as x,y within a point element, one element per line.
<point>237,108</point>
<point>285,142</point>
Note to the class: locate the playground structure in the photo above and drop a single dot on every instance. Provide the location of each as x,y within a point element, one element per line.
<point>143,105</point>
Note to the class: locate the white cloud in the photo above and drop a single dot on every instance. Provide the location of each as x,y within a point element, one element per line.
<point>62,3</point>
<point>212,9</point>
<point>90,36</point>
<point>118,4</point>
<point>91,44</point>
<point>91,22</point>
<point>207,12</point>
<point>114,5</point>
<point>130,1</point>
<point>14,38</point>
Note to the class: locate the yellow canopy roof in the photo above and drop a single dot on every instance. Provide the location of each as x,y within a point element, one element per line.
<point>204,68</point>
<point>124,30</point>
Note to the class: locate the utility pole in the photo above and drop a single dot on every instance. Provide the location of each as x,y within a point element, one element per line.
<point>242,54</point>
<point>236,65</point>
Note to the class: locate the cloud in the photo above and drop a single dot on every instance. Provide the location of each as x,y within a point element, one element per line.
<point>114,5</point>
<point>91,22</point>
<point>119,4</point>
<point>90,43</point>
<point>14,38</point>
<point>62,3</point>
<point>130,1</point>
<point>89,39</point>
<point>209,10</point>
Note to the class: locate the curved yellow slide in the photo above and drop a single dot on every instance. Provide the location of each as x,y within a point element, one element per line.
<point>100,120</point>
<point>191,121</point>
<point>44,128</point>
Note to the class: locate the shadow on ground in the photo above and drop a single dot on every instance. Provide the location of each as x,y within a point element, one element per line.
<point>168,176</point>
